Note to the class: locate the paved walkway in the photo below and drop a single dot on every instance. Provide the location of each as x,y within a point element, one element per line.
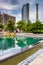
<point>38,60</point>
<point>30,35</point>
<point>30,59</point>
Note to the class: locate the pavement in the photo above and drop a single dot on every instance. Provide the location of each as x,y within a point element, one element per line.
<point>30,35</point>
<point>38,60</point>
<point>30,60</point>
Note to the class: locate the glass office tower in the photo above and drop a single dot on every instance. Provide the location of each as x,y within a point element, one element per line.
<point>25,12</point>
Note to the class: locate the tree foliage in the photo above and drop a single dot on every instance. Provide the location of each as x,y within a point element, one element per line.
<point>1,26</point>
<point>21,25</point>
<point>35,27</point>
<point>0,17</point>
<point>28,26</point>
<point>10,26</point>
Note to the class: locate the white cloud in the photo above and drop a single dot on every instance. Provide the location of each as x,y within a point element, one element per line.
<point>7,6</point>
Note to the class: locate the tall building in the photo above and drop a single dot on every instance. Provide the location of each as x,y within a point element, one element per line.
<point>6,17</point>
<point>37,11</point>
<point>25,12</point>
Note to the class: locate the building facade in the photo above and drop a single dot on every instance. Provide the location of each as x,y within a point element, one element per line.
<point>25,12</point>
<point>6,18</point>
<point>37,11</point>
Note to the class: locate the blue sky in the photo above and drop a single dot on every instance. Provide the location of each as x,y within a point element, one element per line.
<point>14,7</point>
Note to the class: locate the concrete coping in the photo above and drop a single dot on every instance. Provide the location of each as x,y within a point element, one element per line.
<point>41,41</point>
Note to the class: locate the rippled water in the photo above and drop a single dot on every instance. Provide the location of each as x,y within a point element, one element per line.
<point>10,44</point>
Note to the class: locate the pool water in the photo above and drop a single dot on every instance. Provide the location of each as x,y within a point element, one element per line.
<point>10,42</point>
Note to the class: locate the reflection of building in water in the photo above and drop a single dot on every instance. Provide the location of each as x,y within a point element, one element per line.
<point>6,17</point>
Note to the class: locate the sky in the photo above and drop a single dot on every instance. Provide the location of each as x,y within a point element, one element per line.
<point>14,8</point>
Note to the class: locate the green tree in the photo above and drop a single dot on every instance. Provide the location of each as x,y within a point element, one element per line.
<point>1,26</point>
<point>10,26</point>
<point>0,17</point>
<point>28,26</point>
<point>36,26</point>
<point>21,25</point>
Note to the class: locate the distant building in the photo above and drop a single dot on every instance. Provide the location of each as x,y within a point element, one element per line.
<point>37,11</point>
<point>6,18</point>
<point>25,12</point>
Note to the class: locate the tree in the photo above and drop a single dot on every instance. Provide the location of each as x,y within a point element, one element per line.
<point>29,22</point>
<point>21,25</point>
<point>0,17</point>
<point>1,26</point>
<point>36,27</point>
<point>10,26</point>
<point>28,26</point>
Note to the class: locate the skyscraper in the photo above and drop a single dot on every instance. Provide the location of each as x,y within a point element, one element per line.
<point>25,12</point>
<point>36,11</point>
